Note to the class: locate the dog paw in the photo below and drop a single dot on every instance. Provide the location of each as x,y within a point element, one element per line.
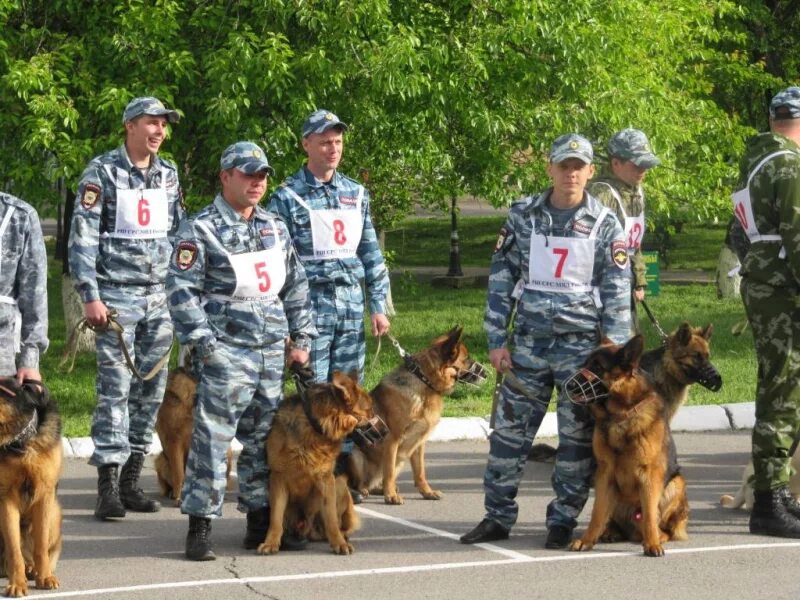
<point>268,547</point>
<point>653,550</point>
<point>47,583</point>
<point>16,589</point>
<point>432,494</point>
<point>393,499</point>
<point>364,492</point>
<point>342,549</point>
<point>580,546</point>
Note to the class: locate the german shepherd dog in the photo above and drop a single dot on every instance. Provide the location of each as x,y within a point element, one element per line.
<point>302,446</point>
<point>30,467</point>
<point>409,400</point>
<point>684,359</point>
<point>174,424</point>
<point>639,494</point>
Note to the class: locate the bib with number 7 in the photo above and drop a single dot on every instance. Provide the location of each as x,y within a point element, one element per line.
<point>259,275</point>
<point>562,264</point>
<point>335,232</point>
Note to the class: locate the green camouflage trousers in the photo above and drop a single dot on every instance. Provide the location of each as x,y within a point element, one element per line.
<point>775,319</point>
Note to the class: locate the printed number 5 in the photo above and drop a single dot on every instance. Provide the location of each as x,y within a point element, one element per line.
<point>263,276</point>
<point>562,257</point>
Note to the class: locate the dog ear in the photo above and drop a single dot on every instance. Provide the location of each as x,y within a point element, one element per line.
<point>707,331</point>
<point>632,351</point>
<point>449,347</point>
<point>342,384</point>
<point>684,334</point>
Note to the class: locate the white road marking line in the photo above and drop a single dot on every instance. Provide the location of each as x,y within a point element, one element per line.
<point>409,569</point>
<point>441,533</point>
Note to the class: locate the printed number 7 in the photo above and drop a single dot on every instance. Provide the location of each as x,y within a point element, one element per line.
<point>261,273</point>
<point>562,257</point>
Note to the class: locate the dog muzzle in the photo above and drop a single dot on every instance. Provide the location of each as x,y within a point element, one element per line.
<point>475,375</point>
<point>585,387</point>
<point>709,378</point>
<point>370,433</point>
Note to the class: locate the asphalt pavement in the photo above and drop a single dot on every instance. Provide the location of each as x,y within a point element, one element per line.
<point>411,550</point>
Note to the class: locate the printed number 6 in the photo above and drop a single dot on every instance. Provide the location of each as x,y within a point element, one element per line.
<point>261,273</point>
<point>143,210</point>
<point>562,257</point>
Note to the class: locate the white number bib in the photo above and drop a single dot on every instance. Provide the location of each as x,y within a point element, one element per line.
<point>634,226</point>
<point>562,264</point>
<point>142,214</point>
<point>335,232</point>
<point>743,206</point>
<point>259,275</point>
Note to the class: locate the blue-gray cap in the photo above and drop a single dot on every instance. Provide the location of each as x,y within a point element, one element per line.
<point>571,145</point>
<point>246,157</point>
<point>785,104</point>
<point>148,105</point>
<point>632,144</point>
<point>320,121</point>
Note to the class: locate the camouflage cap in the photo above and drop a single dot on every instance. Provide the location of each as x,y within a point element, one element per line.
<point>246,157</point>
<point>632,145</point>
<point>571,145</point>
<point>320,121</point>
<point>785,104</point>
<point>148,105</point>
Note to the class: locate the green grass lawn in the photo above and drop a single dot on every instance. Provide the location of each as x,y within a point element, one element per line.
<point>419,242</point>
<point>425,312</point>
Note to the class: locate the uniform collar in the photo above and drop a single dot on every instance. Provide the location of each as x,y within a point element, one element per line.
<point>590,205</point>
<point>610,178</point>
<point>312,182</point>
<point>155,161</point>
<point>231,217</point>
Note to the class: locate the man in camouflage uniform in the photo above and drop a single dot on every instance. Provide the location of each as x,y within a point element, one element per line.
<point>767,206</point>
<point>331,228</point>
<point>561,259</point>
<point>127,210</point>
<point>620,189</point>
<point>23,286</point>
<point>237,291</point>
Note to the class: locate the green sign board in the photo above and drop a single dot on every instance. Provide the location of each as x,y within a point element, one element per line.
<point>651,261</point>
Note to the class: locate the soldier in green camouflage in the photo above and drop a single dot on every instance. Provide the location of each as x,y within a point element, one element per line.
<point>619,187</point>
<point>767,206</point>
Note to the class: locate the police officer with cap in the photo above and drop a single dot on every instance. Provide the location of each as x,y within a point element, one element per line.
<point>237,291</point>
<point>128,208</point>
<point>560,264</point>
<point>767,207</point>
<point>620,189</point>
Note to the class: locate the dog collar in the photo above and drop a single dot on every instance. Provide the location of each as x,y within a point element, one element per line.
<point>17,445</point>
<point>312,420</point>
<point>414,368</point>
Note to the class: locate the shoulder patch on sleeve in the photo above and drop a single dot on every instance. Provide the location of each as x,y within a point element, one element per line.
<point>185,255</point>
<point>619,253</point>
<point>501,239</point>
<point>91,194</point>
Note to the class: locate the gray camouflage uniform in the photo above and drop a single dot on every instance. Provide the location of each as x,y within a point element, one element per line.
<point>23,285</point>
<point>241,343</point>
<point>552,334</point>
<point>128,275</point>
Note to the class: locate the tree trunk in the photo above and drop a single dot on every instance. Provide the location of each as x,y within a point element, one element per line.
<point>73,313</point>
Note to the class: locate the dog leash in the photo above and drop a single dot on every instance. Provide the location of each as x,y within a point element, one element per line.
<point>410,364</point>
<point>654,321</point>
<point>114,326</point>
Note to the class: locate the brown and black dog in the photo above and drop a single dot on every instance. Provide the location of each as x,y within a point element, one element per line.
<point>174,424</point>
<point>30,467</point>
<point>684,359</point>
<point>302,446</point>
<point>409,400</point>
<point>639,492</point>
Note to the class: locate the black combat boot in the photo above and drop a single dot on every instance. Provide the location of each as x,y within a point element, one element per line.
<point>770,516</point>
<point>131,495</point>
<point>257,527</point>
<point>109,505</point>
<point>198,540</point>
<point>790,502</point>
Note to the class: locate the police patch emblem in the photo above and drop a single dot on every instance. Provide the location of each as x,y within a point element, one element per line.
<point>328,117</point>
<point>91,193</point>
<point>619,254</point>
<point>501,239</point>
<point>185,255</point>
<point>256,154</point>
<point>573,145</point>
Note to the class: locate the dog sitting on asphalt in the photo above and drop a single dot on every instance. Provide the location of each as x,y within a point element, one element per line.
<point>744,496</point>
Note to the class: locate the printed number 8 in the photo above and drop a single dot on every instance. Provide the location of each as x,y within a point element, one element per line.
<point>338,229</point>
